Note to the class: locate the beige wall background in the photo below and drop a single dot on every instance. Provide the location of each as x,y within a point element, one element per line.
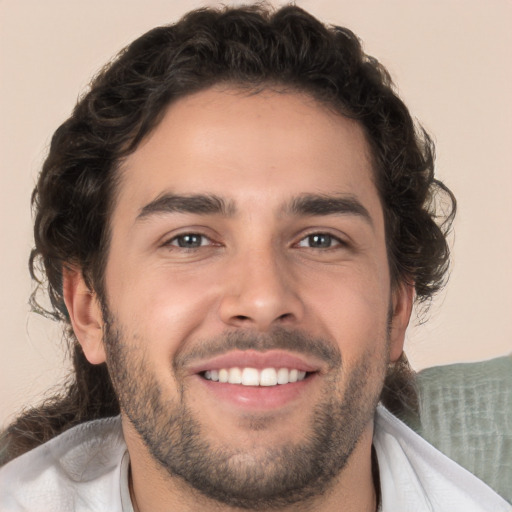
<point>452,61</point>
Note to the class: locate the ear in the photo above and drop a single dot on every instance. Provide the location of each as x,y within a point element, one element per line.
<point>85,314</point>
<point>402,300</point>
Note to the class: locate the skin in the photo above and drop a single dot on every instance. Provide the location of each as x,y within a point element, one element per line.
<point>257,270</point>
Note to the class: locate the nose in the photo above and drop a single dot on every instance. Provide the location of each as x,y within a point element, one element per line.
<point>260,292</point>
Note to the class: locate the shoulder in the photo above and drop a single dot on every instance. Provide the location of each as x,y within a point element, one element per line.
<point>414,473</point>
<point>66,473</point>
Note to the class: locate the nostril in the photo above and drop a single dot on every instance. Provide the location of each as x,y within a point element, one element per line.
<point>281,318</point>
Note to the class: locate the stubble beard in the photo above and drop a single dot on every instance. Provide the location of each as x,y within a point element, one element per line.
<point>274,478</point>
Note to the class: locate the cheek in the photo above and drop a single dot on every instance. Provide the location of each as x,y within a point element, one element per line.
<point>351,308</point>
<point>161,305</point>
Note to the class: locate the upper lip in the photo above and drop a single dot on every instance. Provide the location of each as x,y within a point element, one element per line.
<point>258,360</point>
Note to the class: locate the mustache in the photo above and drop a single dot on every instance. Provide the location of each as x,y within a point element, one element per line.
<point>277,339</point>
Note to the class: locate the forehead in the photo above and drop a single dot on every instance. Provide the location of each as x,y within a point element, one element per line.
<point>261,149</point>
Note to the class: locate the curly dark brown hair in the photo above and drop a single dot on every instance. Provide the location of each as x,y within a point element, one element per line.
<point>253,47</point>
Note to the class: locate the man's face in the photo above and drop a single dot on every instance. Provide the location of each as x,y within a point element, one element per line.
<point>247,243</point>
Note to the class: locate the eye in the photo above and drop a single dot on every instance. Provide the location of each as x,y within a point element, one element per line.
<point>320,241</point>
<point>189,241</point>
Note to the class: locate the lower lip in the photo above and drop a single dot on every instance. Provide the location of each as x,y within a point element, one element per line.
<point>258,397</point>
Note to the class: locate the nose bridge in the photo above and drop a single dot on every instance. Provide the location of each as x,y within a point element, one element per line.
<point>260,292</point>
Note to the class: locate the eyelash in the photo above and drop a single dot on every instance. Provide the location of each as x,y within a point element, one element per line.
<point>182,236</point>
<point>334,241</point>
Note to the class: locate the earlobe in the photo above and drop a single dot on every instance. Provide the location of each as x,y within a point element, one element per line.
<point>402,301</point>
<point>85,314</point>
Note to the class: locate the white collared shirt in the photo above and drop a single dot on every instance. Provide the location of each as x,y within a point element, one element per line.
<point>85,469</point>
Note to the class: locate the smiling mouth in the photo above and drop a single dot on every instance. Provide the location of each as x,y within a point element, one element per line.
<point>248,376</point>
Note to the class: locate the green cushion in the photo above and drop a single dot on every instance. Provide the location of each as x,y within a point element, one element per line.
<point>466,412</point>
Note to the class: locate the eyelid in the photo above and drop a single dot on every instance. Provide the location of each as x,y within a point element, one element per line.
<point>167,240</point>
<point>342,241</point>
<point>182,235</point>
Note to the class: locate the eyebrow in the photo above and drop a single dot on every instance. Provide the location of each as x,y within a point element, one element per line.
<point>201,204</point>
<point>208,204</point>
<point>318,205</point>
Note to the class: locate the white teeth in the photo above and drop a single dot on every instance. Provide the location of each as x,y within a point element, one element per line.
<point>250,377</point>
<point>268,377</point>
<point>235,376</point>
<point>282,376</point>
<point>255,377</point>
